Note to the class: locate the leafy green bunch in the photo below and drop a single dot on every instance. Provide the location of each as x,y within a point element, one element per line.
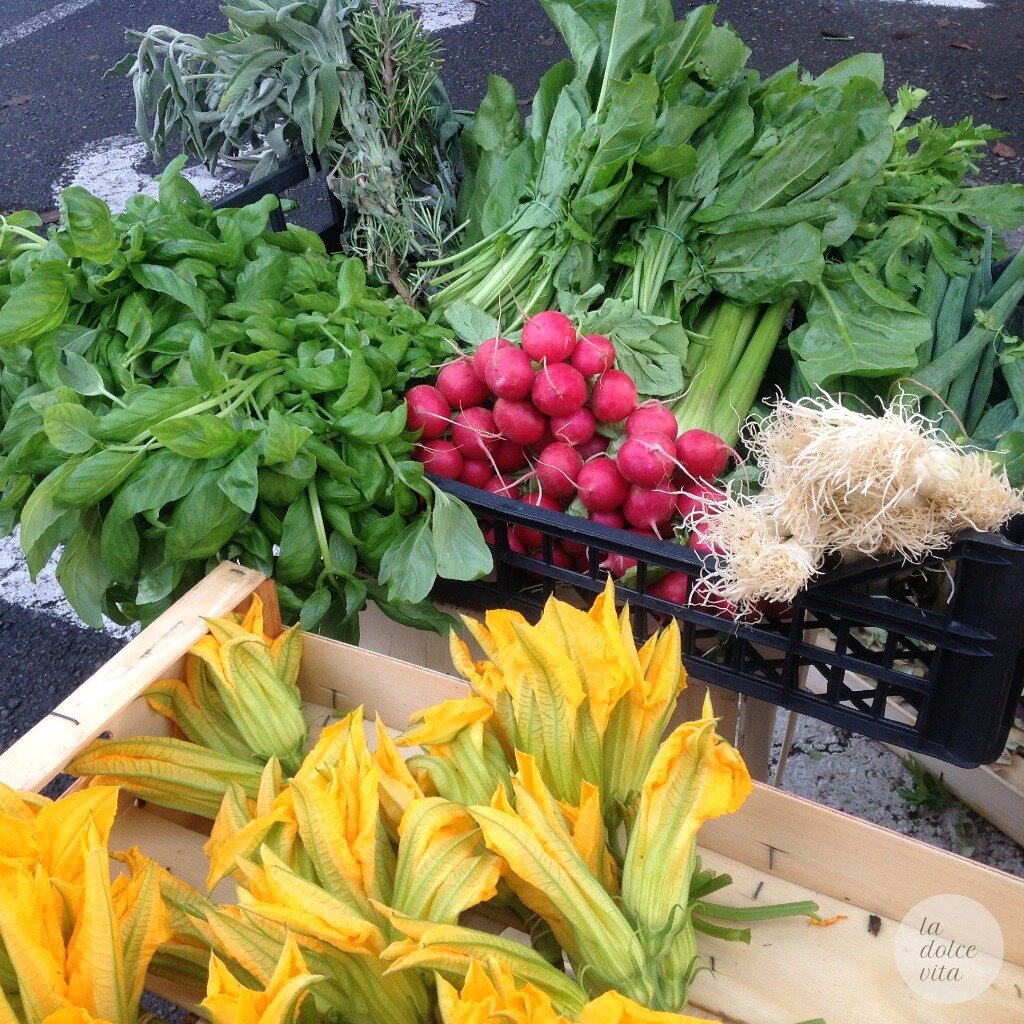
<point>351,80</point>
<point>179,385</point>
<point>658,175</point>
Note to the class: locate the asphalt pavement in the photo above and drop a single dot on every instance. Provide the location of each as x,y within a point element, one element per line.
<point>62,120</point>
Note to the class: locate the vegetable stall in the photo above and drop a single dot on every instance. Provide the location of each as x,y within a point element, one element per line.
<point>741,350</point>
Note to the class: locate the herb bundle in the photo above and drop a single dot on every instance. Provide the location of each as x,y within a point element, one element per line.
<point>351,80</point>
<point>180,385</point>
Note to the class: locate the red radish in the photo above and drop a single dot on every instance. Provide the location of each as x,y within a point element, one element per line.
<point>487,353</point>
<point>530,537</point>
<point>646,460</point>
<point>473,433</point>
<point>597,445</point>
<point>475,472</point>
<point>652,417</point>
<point>510,373</point>
<point>460,385</point>
<point>508,456</point>
<point>514,543</point>
<point>573,547</point>
<point>673,587</point>
<point>558,556</point>
<point>648,509</point>
<point>504,485</point>
<point>699,543</point>
<point>549,337</point>
<point>593,354</point>
<point>703,455</point>
<point>441,458</point>
<point>577,428</point>
<point>612,517</point>
<point>703,597</point>
<point>519,422</point>
<point>557,469</point>
<point>613,397</point>
<point>617,565</point>
<point>545,439</point>
<point>558,389</point>
<point>601,486</point>
<point>697,500</point>
<point>426,410</point>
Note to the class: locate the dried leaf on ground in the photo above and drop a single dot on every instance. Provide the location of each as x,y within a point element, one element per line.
<point>995,95</point>
<point>14,101</point>
<point>961,46</point>
<point>1003,150</point>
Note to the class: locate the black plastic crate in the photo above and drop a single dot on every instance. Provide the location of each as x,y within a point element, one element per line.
<point>958,669</point>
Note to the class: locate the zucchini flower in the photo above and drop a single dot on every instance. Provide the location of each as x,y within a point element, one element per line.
<point>78,949</point>
<point>574,692</point>
<point>490,993</point>
<point>396,786</point>
<point>695,776</point>
<point>254,677</point>
<point>451,950</point>
<point>442,866</point>
<point>229,1002</point>
<point>464,759</point>
<point>545,870</point>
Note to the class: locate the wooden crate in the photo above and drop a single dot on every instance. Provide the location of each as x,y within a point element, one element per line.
<point>777,847</point>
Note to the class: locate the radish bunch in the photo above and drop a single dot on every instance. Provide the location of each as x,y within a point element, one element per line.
<point>553,422</point>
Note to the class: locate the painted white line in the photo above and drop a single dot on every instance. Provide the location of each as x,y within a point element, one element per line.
<point>970,5</point>
<point>30,25</point>
<point>109,169</point>
<point>440,14</point>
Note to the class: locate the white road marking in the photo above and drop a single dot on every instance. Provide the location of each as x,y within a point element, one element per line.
<point>34,24</point>
<point>440,14</point>
<point>109,170</point>
<point>971,5</point>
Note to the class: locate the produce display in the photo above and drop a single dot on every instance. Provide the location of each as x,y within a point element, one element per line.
<point>551,796</point>
<point>180,385</point>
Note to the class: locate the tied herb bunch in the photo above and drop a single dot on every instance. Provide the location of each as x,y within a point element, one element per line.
<point>352,81</point>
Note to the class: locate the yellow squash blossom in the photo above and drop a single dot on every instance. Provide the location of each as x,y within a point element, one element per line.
<point>229,1002</point>
<point>442,867</point>
<point>490,993</point>
<point>696,776</point>
<point>546,871</point>
<point>396,786</point>
<point>614,1008</point>
<point>451,950</point>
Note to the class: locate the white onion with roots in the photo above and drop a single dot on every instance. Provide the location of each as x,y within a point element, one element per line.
<point>836,480</point>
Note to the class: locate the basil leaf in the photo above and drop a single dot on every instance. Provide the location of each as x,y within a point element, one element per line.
<point>90,228</point>
<point>408,567</point>
<point>95,477</point>
<point>81,571</point>
<point>70,428</point>
<point>240,481</point>
<point>202,522</point>
<point>283,439</point>
<point>458,543</point>
<point>79,374</point>
<point>36,306</point>
<point>200,436</point>
<point>167,282</point>
<point>299,549</point>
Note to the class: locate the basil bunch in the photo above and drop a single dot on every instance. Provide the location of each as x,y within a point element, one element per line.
<point>180,385</point>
